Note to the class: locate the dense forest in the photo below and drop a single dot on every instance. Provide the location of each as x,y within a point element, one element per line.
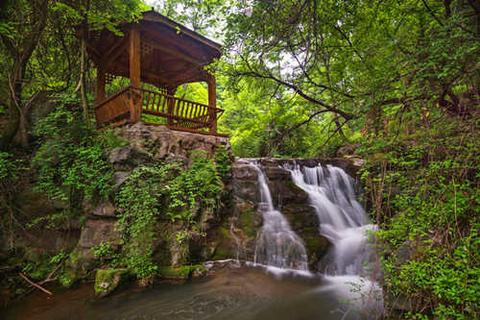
<point>395,83</point>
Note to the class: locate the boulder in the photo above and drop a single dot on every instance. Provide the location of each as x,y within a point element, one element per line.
<point>119,177</point>
<point>107,280</point>
<point>161,142</point>
<point>127,158</point>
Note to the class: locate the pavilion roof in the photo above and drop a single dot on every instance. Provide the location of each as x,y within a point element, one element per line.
<point>171,54</point>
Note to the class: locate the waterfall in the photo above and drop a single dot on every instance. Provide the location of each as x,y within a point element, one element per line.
<point>342,219</point>
<point>346,268</point>
<point>344,222</point>
<point>277,244</point>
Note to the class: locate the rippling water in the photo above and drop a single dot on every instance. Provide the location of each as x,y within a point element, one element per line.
<point>233,294</point>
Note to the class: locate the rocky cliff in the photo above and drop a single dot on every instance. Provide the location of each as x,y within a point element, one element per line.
<point>230,231</point>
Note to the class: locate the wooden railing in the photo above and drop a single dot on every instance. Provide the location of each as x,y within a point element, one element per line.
<point>157,108</point>
<point>114,108</point>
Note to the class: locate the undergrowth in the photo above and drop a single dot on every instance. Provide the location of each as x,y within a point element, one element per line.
<point>424,188</point>
<point>163,191</point>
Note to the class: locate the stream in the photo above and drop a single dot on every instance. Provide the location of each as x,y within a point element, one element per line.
<point>232,293</point>
<point>276,285</point>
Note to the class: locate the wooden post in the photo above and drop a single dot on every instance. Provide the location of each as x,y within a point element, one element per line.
<point>212,103</point>
<point>100,90</point>
<point>170,105</point>
<point>134,64</point>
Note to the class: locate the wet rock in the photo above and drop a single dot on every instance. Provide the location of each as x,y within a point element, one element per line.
<point>292,201</point>
<point>277,173</point>
<point>222,243</point>
<point>243,170</point>
<point>351,164</point>
<point>214,266</point>
<point>107,280</point>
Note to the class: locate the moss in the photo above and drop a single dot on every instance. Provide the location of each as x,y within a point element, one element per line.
<point>223,240</point>
<point>247,223</point>
<point>221,253</point>
<point>180,272</point>
<point>107,280</point>
<point>224,232</point>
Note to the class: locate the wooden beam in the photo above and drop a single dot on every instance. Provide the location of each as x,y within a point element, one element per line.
<point>173,52</point>
<point>167,78</point>
<point>115,51</point>
<point>212,103</point>
<point>94,52</point>
<point>134,65</point>
<point>170,105</point>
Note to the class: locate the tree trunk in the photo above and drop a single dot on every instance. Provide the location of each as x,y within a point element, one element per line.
<point>22,133</point>
<point>10,130</point>
<point>83,90</point>
<point>16,85</point>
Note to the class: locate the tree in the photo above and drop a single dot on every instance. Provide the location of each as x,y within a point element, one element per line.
<point>43,53</point>
<point>30,20</point>
<point>358,61</point>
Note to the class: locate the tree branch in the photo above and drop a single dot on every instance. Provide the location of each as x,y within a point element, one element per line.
<point>295,88</point>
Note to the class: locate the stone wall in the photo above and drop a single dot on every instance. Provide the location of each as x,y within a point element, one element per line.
<point>148,144</point>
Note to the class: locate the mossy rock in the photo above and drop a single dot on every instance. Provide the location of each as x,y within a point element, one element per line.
<point>107,280</point>
<point>317,246</point>
<point>181,272</point>
<point>248,223</point>
<point>224,247</point>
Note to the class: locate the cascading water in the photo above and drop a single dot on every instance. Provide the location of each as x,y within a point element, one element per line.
<point>344,222</point>
<point>277,244</point>
<point>342,219</point>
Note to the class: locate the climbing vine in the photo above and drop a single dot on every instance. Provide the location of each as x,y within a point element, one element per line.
<point>163,191</point>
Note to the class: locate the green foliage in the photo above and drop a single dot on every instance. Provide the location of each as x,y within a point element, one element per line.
<point>425,190</point>
<point>165,191</point>
<point>196,188</point>
<point>106,254</point>
<point>39,268</point>
<point>9,168</point>
<point>70,161</point>
<point>103,250</point>
<point>52,221</point>
<point>103,14</point>
<point>223,164</point>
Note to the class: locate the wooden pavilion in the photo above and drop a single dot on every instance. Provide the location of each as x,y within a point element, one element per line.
<point>164,55</point>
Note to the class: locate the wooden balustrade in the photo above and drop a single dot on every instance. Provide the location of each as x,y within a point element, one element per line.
<point>178,114</point>
<point>114,108</point>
